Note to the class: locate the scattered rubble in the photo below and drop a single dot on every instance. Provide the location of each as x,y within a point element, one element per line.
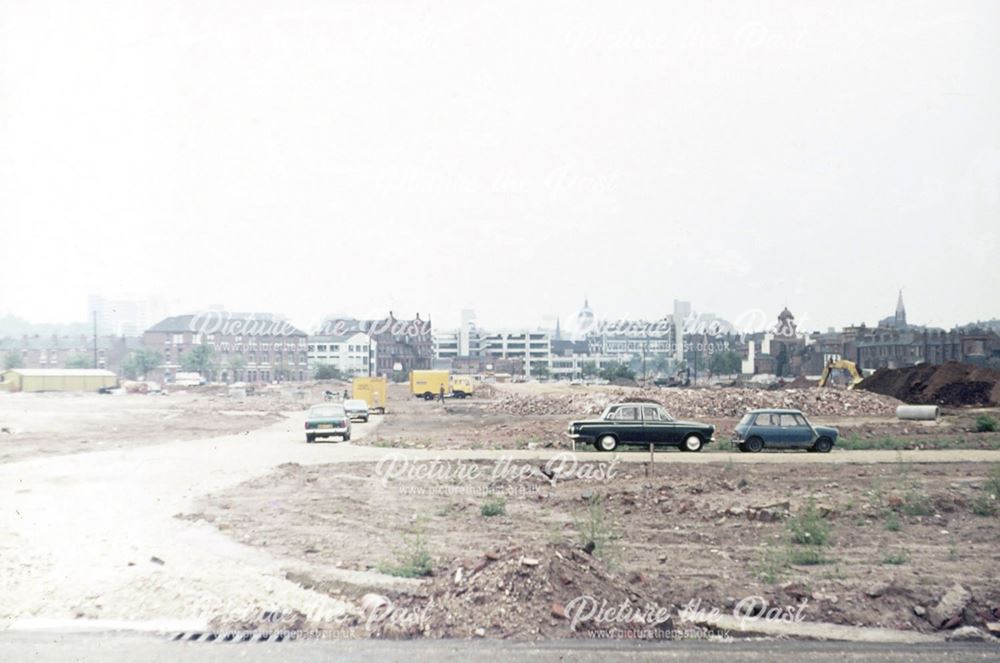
<point>951,384</point>
<point>509,597</point>
<point>700,403</point>
<point>967,634</point>
<point>949,607</point>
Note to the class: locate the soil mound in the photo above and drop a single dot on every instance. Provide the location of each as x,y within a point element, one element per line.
<point>951,383</point>
<point>528,593</point>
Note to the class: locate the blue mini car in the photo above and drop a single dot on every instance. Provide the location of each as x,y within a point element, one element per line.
<point>781,429</point>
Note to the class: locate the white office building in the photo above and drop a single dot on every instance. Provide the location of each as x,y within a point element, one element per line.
<point>352,353</point>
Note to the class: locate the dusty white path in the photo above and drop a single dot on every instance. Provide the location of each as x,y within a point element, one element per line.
<point>78,533</point>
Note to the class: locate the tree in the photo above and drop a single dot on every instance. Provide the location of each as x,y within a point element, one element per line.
<point>141,363</point>
<point>615,371</point>
<point>13,360</point>
<point>588,369</point>
<point>235,364</point>
<point>328,372</point>
<point>660,364</point>
<point>79,361</point>
<point>198,360</point>
<point>540,371</point>
<point>724,363</point>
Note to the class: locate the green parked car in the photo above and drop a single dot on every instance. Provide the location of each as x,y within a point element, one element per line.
<point>328,420</point>
<point>640,423</point>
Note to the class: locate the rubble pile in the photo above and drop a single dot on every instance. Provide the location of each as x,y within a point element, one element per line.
<point>951,383</point>
<point>695,403</point>
<point>520,592</point>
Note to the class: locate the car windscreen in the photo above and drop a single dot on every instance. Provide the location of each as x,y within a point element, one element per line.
<point>326,412</point>
<point>355,404</point>
<point>747,418</point>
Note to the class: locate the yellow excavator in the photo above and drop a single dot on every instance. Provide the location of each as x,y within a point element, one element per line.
<point>841,365</point>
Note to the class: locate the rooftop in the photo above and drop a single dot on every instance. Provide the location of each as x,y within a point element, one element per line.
<point>55,372</point>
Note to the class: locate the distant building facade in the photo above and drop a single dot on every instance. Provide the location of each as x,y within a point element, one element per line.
<point>258,347</point>
<point>53,351</point>
<point>354,353</point>
<point>403,345</point>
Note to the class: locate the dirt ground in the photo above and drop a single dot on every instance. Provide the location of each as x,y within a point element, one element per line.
<point>900,536</point>
<point>45,424</point>
<point>469,424</point>
<point>499,546</point>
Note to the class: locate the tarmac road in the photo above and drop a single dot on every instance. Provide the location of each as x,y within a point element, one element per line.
<point>119,647</point>
<point>93,538</point>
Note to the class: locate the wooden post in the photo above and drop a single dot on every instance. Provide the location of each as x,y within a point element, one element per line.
<point>649,472</point>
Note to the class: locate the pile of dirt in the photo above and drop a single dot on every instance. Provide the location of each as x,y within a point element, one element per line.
<point>522,592</point>
<point>798,383</point>
<point>700,403</point>
<point>952,383</point>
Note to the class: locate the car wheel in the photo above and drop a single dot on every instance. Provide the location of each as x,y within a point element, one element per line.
<point>347,438</point>
<point>754,444</point>
<point>742,447</point>
<point>823,445</point>
<point>607,443</point>
<point>692,443</point>
<point>310,439</point>
<point>428,396</point>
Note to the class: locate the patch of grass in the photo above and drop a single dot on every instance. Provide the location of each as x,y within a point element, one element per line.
<point>809,528</point>
<point>896,558</point>
<point>596,530</point>
<point>992,486</point>
<point>492,508</point>
<point>806,556</point>
<point>916,503</point>
<point>412,560</point>
<point>857,443</point>
<point>986,424</point>
<point>834,574</point>
<point>772,564</point>
<point>984,505</point>
<point>892,522</point>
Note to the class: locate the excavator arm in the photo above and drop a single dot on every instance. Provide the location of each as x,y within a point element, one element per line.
<point>844,365</point>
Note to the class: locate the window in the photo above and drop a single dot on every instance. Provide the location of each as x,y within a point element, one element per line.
<point>627,414</point>
<point>650,414</point>
<point>800,420</point>
<point>788,421</point>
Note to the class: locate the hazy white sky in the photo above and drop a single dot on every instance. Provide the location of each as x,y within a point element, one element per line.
<point>511,157</point>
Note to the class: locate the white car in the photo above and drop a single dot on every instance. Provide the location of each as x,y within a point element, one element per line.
<point>356,409</point>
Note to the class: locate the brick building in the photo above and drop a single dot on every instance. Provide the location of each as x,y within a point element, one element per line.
<point>54,351</point>
<point>256,347</point>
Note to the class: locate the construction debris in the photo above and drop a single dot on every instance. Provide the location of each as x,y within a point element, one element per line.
<point>701,403</point>
<point>952,384</point>
<point>510,597</point>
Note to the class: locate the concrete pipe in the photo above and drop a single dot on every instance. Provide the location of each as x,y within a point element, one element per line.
<point>918,412</point>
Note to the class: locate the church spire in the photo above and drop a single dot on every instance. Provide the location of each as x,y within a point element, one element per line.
<point>900,317</point>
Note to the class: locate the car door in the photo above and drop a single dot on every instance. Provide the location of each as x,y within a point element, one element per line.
<point>655,430</point>
<point>804,432</point>
<point>768,428</point>
<point>790,432</point>
<point>627,424</point>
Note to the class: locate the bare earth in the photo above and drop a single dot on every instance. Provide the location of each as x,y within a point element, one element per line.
<point>215,520</point>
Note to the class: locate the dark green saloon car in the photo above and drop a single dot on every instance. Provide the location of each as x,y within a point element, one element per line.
<point>640,424</point>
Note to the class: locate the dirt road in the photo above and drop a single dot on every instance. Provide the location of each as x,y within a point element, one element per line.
<point>93,536</point>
